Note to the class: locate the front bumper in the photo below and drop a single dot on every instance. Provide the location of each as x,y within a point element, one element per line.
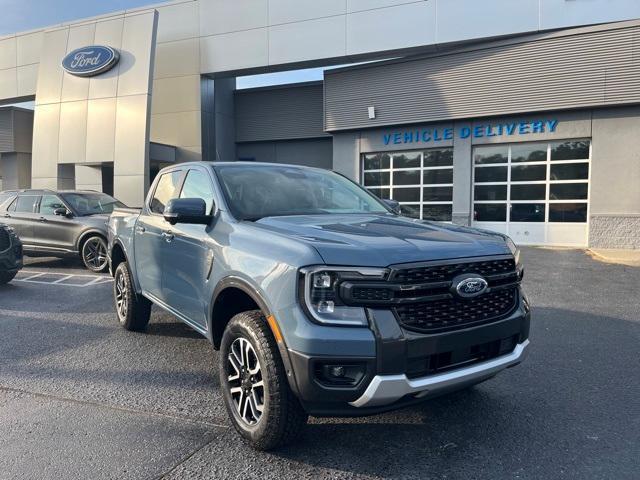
<point>387,389</point>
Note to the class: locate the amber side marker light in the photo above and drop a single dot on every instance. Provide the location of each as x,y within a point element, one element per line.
<point>274,328</point>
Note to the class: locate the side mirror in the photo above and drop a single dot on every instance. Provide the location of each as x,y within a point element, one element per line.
<point>187,210</point>
<point>393,205</point>
<point>62,212</point>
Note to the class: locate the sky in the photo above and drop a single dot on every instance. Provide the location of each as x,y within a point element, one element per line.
<point>20,15</point>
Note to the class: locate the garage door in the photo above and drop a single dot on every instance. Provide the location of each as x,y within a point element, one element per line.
<point>537,193</point>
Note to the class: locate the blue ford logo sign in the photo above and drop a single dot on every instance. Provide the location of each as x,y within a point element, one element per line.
<point>90,61</point>
<point>469,286</point>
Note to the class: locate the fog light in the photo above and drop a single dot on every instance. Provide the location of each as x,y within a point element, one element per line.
<point>340,375</point>
<point>336,371</point>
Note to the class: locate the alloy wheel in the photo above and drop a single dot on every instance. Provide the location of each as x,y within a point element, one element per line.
<point>95,254</point>
<point>122,297</point>
<point>245,381</point>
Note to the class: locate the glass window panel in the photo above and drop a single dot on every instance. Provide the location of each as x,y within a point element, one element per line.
<point>437,194</point>
<point>406,177</point>
<point>490,192</point>
<point>492,154</point>
<point>528,192</point>
<point>491,174</point>
<point>377,161</point>
<point>406,160</point>
<point>166,190</point>
<point>49,204</point>
<point>438,176</point>
<point>568,212</point>
<point>527,212</point>
<point>528,173</point>
<point>406,194</point>
<point>570,171</point>
<point>571,150</point>
<point>529,152</point>
<point>375,179</point>
<point>410,210</point>
<point>26,203</point>
<point>198,185</point>
<point>438,158</point>
<point>490,212</point>
<point>568,191</point>
<point>381,192</point>
<point>440,213</point>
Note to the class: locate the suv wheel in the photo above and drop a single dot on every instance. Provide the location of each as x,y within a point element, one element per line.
<point>94,254</point>
<point>133,310</point>
<point>6,277</point>
<point>262,407</point>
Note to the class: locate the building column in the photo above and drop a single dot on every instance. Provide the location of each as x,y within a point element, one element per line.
<point>218,119</point>
<point>89,177</point>
<point>462,178</point>
<point>346,155</point>
<point>16,170</point>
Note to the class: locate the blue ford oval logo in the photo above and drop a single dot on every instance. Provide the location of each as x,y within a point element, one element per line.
<point>469,286</point>
<point>90,61</point>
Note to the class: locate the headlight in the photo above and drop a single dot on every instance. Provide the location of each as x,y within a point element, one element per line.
<point>515,251</point>
<point>319,292</point>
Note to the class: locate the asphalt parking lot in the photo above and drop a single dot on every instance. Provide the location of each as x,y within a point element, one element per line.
<point>82,398</point>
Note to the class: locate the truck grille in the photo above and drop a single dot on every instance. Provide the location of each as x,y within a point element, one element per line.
<point>454,313</point>
<point>440,273</point>
<point>5,240</point>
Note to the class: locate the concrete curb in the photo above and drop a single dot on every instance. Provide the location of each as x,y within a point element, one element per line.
<point>630,258</point>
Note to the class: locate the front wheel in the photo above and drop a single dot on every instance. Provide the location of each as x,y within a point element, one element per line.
<point>133,310</point>
<point>262,407</point>
<point>94,254</point>
<point>6,277</point>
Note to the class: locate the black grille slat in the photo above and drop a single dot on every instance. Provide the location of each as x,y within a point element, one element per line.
<point>454,313</point>
<point>446,272</point>
<point>5,241</point>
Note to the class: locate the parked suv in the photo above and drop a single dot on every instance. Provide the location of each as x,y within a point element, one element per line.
<point>321,299</point>
<point>60,223</point>
<point>10,254</point>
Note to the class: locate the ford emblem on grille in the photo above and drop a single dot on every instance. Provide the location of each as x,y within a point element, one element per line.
<point>469,286</point>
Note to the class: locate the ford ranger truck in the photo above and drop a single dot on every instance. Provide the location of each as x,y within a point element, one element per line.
<point>321,298</point>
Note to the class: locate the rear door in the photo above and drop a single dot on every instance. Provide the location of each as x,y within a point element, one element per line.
<point>190,254</point>
<point>150,237</point>
<point>22,216</point>
<point>56,231</point>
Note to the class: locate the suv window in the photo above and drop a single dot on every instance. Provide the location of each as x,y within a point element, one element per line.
<point>198,185</point>
<point>167,189</point>
<point>49,204</point>
<point>25,203</point>
<point>5,197</point>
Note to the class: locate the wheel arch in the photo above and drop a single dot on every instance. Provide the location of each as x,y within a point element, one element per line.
<point>84,236</point>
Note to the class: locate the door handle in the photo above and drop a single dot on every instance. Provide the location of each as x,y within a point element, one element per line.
<point>168,236</point>
<point>6,215</point>
<point>42,219</point>
<point>140,229</point>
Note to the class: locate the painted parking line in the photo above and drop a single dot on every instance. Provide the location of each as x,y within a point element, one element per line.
<point>62,279</point>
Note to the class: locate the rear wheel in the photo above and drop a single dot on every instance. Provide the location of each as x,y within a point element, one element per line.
<point>262,407</point>
<point>6,277</point>
<point>94,254</point>
<point>133,310</point>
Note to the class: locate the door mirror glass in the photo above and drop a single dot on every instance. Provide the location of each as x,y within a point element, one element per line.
<point>187,210</point>
<point>393,205</point>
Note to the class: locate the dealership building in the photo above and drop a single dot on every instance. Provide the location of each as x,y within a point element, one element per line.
<point>519,117</point>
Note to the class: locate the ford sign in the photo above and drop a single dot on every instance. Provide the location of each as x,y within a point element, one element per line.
<point>90,61</point>
<point>469,286</point>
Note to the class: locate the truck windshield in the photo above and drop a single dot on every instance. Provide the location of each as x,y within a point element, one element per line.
<point>258,191</point>
<point>92,203</point>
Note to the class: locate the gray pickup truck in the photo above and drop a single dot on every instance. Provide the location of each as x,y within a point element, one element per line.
<point>321,299</point>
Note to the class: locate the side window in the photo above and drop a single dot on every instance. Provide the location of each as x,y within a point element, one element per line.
<point>198,185</point>
<point>6,199</point>
<point>26,204</point>
<point>166,190</point>
<point>49,204</point>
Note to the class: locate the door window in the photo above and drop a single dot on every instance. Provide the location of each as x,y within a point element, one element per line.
<point>49,204</point>
<point>198,185</point>
<point>25,204</point>
<point>167,189</point>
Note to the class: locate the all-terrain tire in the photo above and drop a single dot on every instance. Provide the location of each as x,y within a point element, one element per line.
<point>133,310</point>
<point>282,417</point>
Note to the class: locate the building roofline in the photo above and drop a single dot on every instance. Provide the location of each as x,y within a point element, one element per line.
<point>280,86</point>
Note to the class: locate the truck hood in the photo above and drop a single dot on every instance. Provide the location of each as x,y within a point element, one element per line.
<point>382,240</point>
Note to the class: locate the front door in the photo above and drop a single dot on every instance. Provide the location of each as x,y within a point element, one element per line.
<point>150,235</point>
<point>190,255</point>
<point>51,230</point>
